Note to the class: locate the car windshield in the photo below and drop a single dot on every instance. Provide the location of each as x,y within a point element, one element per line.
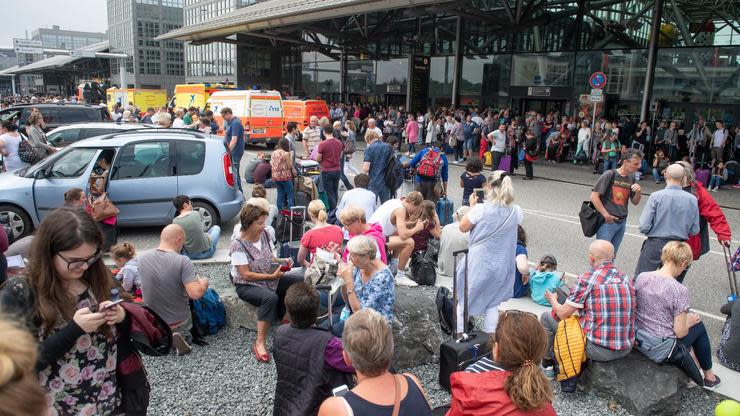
<point>66,163</point>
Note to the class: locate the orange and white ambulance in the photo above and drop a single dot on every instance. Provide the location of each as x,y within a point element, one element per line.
<point>260,112</point>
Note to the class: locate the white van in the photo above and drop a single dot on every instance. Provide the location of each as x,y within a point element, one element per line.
<point>260,112</point>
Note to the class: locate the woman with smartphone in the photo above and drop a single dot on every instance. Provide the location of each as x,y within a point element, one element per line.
<point>72,316</point>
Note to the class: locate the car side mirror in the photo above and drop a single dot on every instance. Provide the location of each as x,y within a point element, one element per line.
<point>40,174</point>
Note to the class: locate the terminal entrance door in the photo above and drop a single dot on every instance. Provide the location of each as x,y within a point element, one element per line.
<point>395,100</point>
<point>539,105</point>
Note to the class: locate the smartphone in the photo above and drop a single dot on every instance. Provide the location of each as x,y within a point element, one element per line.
<point>274,266</point>
<point>340,391</point>
<point>110,305</point>
<point>479,194</point>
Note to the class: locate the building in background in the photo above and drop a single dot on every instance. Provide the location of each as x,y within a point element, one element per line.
<point>8,59</point>
<point>132,27</point>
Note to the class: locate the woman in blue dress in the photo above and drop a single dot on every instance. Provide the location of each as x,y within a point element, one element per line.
<point>493,235</point>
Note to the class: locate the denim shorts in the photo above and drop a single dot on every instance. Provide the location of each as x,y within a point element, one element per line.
<point>469,144</point>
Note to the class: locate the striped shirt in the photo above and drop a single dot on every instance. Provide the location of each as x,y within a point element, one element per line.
<point>483,365</point>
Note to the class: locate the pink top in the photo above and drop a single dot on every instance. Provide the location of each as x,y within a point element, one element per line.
<point>412,131</point>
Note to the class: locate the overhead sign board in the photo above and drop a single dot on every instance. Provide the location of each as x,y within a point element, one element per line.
<point>597,80</point>
<point>539,91</point>
<point>82,54</point>
<point>28,43</point>
<point>25,49</point>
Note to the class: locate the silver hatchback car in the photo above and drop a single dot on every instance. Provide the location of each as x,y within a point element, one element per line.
<point>148,168</point>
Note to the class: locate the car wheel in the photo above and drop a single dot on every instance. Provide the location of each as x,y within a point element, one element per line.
<point>19,222</point>
<point>271,145</point>
<point>208,215</point>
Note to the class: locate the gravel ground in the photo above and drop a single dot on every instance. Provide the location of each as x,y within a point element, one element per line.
<point>225,379</point>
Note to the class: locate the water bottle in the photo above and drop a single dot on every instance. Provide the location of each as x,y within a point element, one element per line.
<point>638,174</point>
<point>115,295</point>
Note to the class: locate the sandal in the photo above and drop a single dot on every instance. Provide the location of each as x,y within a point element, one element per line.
<point>263,358</point>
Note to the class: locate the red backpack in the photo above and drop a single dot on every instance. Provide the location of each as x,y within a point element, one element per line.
<point>430,163</point>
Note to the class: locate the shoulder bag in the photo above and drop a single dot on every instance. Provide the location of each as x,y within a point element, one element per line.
<point>590,218</point>
<point>26,152</point>
<point>102,208</point>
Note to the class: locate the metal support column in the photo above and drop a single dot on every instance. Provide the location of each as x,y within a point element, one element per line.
<point>457,73</point>
<point>342,76</point>
<point>652,58</point>
<point>122,68</point>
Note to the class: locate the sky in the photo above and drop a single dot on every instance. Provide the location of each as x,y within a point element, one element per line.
<point>22,16</point>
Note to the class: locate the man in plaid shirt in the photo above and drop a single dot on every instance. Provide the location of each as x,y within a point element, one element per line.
<point>605,301</point>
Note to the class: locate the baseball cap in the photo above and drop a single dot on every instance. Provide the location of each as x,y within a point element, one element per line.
<point>549,258</point>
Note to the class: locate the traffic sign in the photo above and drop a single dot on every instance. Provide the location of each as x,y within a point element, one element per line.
<point>24,49</point>
<point>597,80</point>
<point>27,43</point>
<point>596,98</point>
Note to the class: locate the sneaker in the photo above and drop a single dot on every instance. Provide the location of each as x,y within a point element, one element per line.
<point>182,347</point>
<point>708,384</point>
<point>569,385</point>
<point>393,266</point>
<point>405,281</point>
<point>549,372</point>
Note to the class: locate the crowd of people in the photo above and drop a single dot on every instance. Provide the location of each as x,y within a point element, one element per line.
<point>67,298</point>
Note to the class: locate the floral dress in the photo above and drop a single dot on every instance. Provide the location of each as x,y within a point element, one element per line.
<point>378,293</point>
<point>83,380</point>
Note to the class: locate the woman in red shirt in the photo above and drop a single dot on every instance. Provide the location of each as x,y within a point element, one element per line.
<point>512,383</point>
<point>322,235</point>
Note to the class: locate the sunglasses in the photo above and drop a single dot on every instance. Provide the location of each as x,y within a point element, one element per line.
<point>76,264</point>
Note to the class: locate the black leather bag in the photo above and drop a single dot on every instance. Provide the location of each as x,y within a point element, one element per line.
<point>590,218</point>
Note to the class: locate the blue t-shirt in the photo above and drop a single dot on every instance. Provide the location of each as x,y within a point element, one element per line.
<point>443,171</point>
<point>470,182</point>
<point>377,154</point>
<point>520,289</point>
<point>235,128</point>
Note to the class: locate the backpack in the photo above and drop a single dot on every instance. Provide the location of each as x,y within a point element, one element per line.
<point>430,164</point>
<point>445,310</point>
<point>569,348</point>
<point>210,312</point>
<point>393,173</point>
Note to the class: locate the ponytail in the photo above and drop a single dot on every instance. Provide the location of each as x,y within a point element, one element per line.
<point>317,210</point>
<point>528,387</point>
<point>123,251</point>
<point>502,188</point>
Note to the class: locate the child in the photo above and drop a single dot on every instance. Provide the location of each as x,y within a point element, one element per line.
<point>124,255</point>
<point>521,278</point>
<point>719,173</point>
<point>471,179</point>
<point>544,278</point>
<point>432,229</point>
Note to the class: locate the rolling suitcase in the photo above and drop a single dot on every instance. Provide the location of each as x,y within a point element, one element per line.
<point>505,163</point>
<point>460,352</point>
<point>445,208</point>
<point>295,222</point>
<point>730,263</point>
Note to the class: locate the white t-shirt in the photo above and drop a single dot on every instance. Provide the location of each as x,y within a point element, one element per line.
<point>178,124</point>
<point>378,131</point>
<point>367,200</point>
<point>382,216</point>
<point>12,160</point>
<point>500,144</point>
<point>584,134</point>
<point>719,137</point>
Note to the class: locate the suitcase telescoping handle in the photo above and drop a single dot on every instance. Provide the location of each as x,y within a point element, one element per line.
<point>454,293</point>
<point>731,276</point>
<point>302,210</point>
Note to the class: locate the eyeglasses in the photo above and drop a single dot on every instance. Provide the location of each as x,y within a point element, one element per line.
<point>76,264</point>
<point>512,312</point>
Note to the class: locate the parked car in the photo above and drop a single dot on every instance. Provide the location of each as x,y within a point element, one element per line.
<point>56,115</point>
<point>66,135</point>
<point>149,168</point>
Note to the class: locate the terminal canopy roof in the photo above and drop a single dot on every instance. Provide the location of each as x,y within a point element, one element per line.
<point>384,29</point>
<point>65,62</point>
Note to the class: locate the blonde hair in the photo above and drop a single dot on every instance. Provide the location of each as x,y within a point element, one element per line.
<point>259,203</point>
<point>34,118</point>
<point>414,198</point>
<point>501,190</point>
<point>677,253</point>
<point>351,214</point>
<point>363,245</point>
<point>371,135</point>
<point>20,391</point>
<point>317,210</point>
<point>368,341</point>
<point>123,251</point>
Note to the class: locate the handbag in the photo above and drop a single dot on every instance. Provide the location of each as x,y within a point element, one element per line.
<point>323,269</point>
<point>102,208</point>
<point>26,152</point>
<point>349,146</point>
<point>590,219</point>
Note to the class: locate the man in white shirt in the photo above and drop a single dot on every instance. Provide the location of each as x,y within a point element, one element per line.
<point>498,138</point>
<point>178,122</point>
<point>719,140</point>
<point>371,125</point>
<point>359,196</point>
<point>311,136</point>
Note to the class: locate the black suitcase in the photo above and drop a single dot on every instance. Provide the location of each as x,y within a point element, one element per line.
<point>460,352</point>
<point>295,222</point>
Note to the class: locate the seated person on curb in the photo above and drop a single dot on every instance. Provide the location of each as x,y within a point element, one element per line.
<point>605,301</point>
<point>663,318</point>
<point>368,347</point>
<point>308,360</point>
<point>359,196</point>
<point>521,277</point>
<point>198,245</point>
<point>367,283</point>
<point>322,235</point>
<point>263,172</point>
<point>259,277</point>
<point>512,383</point>
<point>259,191</point>
<point>124,256</point>
<point>260,203</point>
<point>432,229</point>
<point>450,241</point>
<point>353,219</point>
<point>544,278</point>
<point>168,280</point>
<point>393,216</point>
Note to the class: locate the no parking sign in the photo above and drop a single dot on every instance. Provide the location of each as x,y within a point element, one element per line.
<point>597,80</point>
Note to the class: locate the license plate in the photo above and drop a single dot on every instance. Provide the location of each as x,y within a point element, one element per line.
<point>258,131</point>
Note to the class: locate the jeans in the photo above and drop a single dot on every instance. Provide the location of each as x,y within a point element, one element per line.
<point>285,194</point>
<point>459,150</point>
<point>270,303</point>
<point>331,187</point>
<point>698,339</point>
<point>412,147</point>
<point>658,177</point>
<point>237,178</point>
<point>382,192</point>
<point>343,177</point>
<point>715,181</point>
<point>213,234</point>
<point>610,163</point>
<point>613,233</point>
<point>496,160</point>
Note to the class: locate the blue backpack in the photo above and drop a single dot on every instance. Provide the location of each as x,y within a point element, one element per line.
<point>210,312</point>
